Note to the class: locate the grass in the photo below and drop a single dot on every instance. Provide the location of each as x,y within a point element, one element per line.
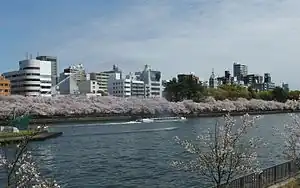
<point>21,133</point>
<point>292,184</point>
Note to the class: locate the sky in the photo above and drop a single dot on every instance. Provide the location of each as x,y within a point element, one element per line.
<point>173,36</point>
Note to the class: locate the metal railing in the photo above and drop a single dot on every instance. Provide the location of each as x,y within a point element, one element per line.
<point>268,177</point>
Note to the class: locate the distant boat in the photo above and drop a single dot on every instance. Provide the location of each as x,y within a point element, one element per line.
<point>150,120</point>
<point>145,120</point>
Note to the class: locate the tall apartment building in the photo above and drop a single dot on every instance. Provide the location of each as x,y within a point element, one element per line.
<point>54,67</point>
<point>152,80</point>
<point>285,87</point>
<point>212,82</point>
<point>32,79</point>
<point>239,71</point>
<point>101,78</point>
<point>268,84</point>
<point>4,86</point>
<point>252,79</point>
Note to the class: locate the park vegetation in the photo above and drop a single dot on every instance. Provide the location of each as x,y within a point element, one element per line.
<point>189,89</point>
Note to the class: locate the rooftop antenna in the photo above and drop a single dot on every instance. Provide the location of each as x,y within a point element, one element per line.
<point>27,55</point>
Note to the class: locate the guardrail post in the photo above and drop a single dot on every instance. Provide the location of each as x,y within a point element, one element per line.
<point>290,169</point>
<point>242,182</point>
<point>275,174</point>
<point>260,181</point>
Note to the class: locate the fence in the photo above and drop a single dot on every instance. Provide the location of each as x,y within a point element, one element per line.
<point>268,177</point>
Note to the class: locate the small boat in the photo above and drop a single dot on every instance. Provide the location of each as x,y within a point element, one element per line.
<point>170,118</point>
<point>150,120</point>
<point>145,120</point>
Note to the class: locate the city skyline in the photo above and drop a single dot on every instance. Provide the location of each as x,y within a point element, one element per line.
<point>191,36</point>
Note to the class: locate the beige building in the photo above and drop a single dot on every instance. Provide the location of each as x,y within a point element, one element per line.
<point>4,86</point>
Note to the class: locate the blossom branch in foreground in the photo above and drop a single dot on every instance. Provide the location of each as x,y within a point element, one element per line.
<point>291,136</point>
<point>224,153</point>
<point>21,169</point>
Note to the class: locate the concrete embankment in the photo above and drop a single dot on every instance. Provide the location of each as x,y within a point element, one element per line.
<point>91,118</point>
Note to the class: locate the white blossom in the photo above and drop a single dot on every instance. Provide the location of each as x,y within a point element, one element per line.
<point>224,153</point>
<point>21,170</point>
<point>291,139</point>
<point>109,105</point>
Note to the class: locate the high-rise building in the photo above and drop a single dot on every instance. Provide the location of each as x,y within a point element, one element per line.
<point>32,79</point>
<point>285,87</point>
<point>267,78</point>
<point>54,67</point>
<point>227,77</point>
<point>101,78</point>
<point>239,71</point>
<point>252,79</point>
<point>268,84</point>
<point>152,80</point>
<point>213,83</point>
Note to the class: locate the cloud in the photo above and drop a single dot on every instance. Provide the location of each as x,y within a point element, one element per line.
<point>190,36</point>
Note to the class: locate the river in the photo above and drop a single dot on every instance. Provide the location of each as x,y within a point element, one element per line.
<point>134,155</point>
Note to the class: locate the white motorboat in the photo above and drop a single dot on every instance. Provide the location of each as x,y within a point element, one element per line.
<point>150,120</point>
<point>145,120</point>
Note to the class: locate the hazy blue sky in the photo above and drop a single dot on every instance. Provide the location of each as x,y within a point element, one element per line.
<point>174,36</point>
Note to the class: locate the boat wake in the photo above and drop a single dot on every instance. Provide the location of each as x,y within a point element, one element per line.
<point>131,131</point>
<point>97,124</point>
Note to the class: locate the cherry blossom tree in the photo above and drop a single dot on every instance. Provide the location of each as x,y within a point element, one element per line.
<point>224,153</point>
<point>108,105</point>
<point>291,136</point>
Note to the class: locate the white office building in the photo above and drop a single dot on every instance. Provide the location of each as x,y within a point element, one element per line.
<point>152,80</point>
<point>54,67</point>
<point>125,87</point>
<point>32,79</point>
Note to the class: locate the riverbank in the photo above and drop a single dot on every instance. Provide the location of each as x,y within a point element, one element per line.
<point>37,137</point>
<point>93,118</point>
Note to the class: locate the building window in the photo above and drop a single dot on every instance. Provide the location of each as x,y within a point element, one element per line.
<point>36,68</point>
<point>46,87</point>
<point>31,79</point>
<point>31,85</point>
